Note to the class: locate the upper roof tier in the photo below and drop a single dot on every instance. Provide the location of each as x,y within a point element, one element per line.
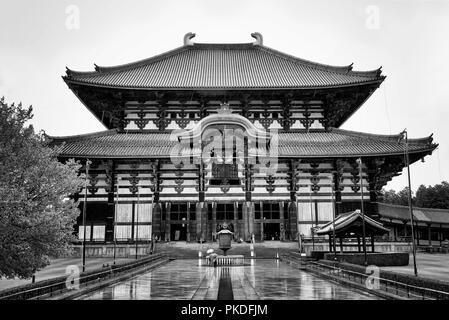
<point>225,67</point>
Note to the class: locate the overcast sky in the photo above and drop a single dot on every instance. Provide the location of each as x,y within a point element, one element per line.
<point>409,39</point>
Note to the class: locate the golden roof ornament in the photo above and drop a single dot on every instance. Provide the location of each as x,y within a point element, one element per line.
<point>225,108</point>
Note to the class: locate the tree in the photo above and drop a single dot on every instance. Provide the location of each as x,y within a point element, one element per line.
<point>36,217</point>
<point>399,198</point>
<point>436,196</point>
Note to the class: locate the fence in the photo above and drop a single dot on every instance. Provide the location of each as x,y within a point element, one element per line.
<point>390,286</point>
<point>60,285</point>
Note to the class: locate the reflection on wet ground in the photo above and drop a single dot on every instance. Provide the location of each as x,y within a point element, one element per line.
<point>262,279</point>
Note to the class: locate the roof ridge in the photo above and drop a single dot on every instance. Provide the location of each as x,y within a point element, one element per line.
<point>84,135</point>
<point>130,65</point>
<point>325,67</point>
<point>414,207</point>
<point>388,137</point>
<point>198,46</point>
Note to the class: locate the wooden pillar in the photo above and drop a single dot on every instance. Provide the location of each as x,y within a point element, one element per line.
<point>341,244</point>
<point>330,243</point>
<point>156,221</point>
<point>293,208</point>
<point>188,223</point>
<point>198,220</point>
<point>395,232</point>
<point>338,167</point>
<point>251,220</point>
<point>110,218</point>
<point>204,221</point>
<point>405,228</point>
<point>358,244</point>
<point>281,225</point>
<point>429,232</point>
<point>372,243</point>
<point>292,215</point>
<point>440,234</point>
<point>214,220</point>
<point>236,217</point>
<point>245,220</point>
<point>167,222</point>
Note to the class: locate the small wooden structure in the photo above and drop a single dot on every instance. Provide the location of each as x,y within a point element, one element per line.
<point>350,225</point>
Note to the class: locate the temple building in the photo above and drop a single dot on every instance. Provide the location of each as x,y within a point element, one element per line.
<point>239,133</point>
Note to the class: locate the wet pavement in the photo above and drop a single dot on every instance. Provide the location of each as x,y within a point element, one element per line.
<point>260,279</point>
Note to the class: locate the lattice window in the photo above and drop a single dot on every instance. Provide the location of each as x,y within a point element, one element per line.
<point>178,211</point>
<point>225,211</point>
<point>271,210</point>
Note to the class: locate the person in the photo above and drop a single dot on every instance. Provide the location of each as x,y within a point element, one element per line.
<point>212,259</point>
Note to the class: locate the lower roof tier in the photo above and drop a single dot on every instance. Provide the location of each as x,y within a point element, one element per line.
<point>397,213</point>
<point>317,144</point>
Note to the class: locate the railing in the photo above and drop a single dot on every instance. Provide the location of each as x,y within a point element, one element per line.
<point>386,285</point>
<point>60,285</point>
<point>233,260</point>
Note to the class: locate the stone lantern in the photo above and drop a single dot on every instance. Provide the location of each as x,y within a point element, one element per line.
<point>224,240</point>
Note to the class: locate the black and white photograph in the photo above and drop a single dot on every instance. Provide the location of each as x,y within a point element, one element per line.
<point>227,156</point>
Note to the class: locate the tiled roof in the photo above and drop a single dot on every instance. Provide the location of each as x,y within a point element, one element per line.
<point>346,220</point>
<point>424,215</point>
<point>336,142</point>
<point>348,143</point>
<point>223,66</point>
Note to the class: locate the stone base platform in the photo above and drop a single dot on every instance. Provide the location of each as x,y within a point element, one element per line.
<point>380,259</point>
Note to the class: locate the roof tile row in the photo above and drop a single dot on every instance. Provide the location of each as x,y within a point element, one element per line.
<point>223,66</point>
<point>336,142</point>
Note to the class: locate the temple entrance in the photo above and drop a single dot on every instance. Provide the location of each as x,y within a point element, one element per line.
<point>272,231</point>
<point>178,232</point>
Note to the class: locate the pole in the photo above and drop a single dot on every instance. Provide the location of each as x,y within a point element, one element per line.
<point>333,215</point>
<point>84,214</point>
<point>410,204</point>
<point>137,220</point>
<point>115,219</point>
<point>362,210</point>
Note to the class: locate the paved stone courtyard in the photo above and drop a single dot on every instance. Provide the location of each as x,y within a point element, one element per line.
<point>432,266</point>
<point>259,279</point>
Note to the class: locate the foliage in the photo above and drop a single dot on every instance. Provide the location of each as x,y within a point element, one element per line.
<point>436,196</point>
<point>36,217</point>
<point>400,198</point>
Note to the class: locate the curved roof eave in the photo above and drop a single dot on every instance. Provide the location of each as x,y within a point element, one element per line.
<point>105,86</point>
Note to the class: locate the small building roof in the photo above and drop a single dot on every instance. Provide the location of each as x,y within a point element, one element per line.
<point>223,66</point>
<point>351,222</point>
<point>421,215</point>
<point>333,143</point>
